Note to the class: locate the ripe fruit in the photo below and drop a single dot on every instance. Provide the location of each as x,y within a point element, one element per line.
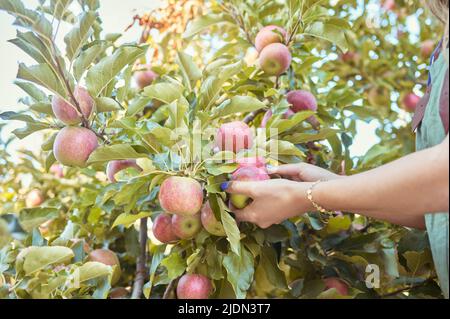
<point>192,286</point>
<point>427,48</point>
<point>57,170</point>
<point>116,166</point>
<point>389,5</point>
<point>210,222</point>
<point>340,286</point>
<point>268,35</point>
<point>163,230</point>
<point>74,145</point>
<point>181,195</point>
<point>145,77</point>
<point>34,198</point>
<point>107,257</point>
<point>186,227</point>
<point>269,115</point>
<point>275,59</point>
<point>247,174</point>
<point>410,102</point>
<point>118,293</point>
<point>302,100</point>
<point>351,57</point>
<point>234,137</point>
<point>67,113</point>
<point>258,161</point>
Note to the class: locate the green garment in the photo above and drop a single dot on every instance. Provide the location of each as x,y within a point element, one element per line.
<point>431,133</point>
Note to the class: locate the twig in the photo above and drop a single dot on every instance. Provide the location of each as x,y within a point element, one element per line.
<point>141,270</point>
<point>250,117</point>
<point>170,287</point>
<point>396,292</point>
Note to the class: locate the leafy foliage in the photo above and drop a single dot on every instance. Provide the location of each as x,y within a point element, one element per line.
<point>200,86</point>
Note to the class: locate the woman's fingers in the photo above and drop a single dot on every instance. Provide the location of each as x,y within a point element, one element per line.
<point>242,188</point>
<point>288,170</point>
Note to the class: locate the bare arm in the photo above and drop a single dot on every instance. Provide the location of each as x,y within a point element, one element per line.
<point>401,192</point>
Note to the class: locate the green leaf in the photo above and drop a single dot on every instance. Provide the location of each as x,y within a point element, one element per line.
<point>240,270</point>
<point>30,218</point>
<point>238,104</point>
<point>164,92</point>
<point>324,134</point>
<point>92,270</point>
<point>280,126</point>
<point>128,219</point>
<point>213,85</point>
<point>328,31</point>
<point>189,70</point>
<point>338,224</point>
<point>87,57</point>
<point>200,24</point>
<point>42,75</point>
<point>106,104</point>
<point>231,228</point>
<point>114,152</point>
<point>78,36</point>
<point>270,265</point>
<point>38,258</point>
<point>36,94</point>
<point>60,9</point>
<point>101,74</point>
<point>175,265</point>
<point>157,256</point>
<point>277,147</point>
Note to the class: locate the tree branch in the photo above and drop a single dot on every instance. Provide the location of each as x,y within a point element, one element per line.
<point>170,287</point>
<point>250,117</point>
<point>141,270</point>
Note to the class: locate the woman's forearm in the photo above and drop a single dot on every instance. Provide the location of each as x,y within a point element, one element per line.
<point>401,192</point>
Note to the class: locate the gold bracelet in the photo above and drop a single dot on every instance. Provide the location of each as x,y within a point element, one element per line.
<point>309,195</point>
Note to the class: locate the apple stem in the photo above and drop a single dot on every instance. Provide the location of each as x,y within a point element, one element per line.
<point>141,270</point>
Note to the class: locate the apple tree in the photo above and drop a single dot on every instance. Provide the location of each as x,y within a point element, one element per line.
<point>126,197</point>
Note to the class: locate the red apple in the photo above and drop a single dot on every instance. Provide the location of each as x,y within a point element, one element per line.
<point>145,77</point>
<point>163,230</point>
<point>186,227</point>
<point>192,286</point>
<point>389,5</point>
<point>302,100</point>
<point>210,222</point>
<point>268,35</point>
<point>34,198</point>
<point>275,59</point>
<point>107,257</point>
<point>258,161</point>
<point>351,57</point>
<point>74,145</point>
<point>181,196</point>
<point>340,286</point>
<point>57,170</point>
<point>118,293</point>
<point>427,48</point>
<point>234,137</point>
<point>68,113</point>
<point>410,102</point>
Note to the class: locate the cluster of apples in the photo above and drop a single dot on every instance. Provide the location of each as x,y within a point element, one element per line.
<point>73,144</point>
<point>274,56</point>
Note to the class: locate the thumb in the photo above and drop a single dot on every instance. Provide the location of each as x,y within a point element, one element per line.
<point>243,188</point>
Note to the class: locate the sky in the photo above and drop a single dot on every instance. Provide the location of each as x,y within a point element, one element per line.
<point>116,16</point>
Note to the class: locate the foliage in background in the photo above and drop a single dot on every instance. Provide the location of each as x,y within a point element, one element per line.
<point>208,71</point>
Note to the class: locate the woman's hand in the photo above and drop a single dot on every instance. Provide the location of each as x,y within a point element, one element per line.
<point>303,172</point>
<point>273,201</point>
